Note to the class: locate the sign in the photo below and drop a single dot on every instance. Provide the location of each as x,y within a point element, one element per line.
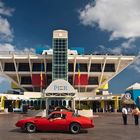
<point>127,96</point>
<point>58,87</point>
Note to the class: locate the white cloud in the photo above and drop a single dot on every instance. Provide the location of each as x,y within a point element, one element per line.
<point>129,44</point>
<point>25,50</point>
<point>136,65</point>
<point>120,17</point>
<point>123,48</point>
<point>7,11</point>
<point>6,47</point>
<point>6,33</point>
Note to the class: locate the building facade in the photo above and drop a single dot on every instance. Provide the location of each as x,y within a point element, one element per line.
<point>87,74</point>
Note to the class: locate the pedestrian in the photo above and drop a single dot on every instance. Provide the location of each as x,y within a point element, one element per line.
<point>136,113</point>
<point>124,115</point>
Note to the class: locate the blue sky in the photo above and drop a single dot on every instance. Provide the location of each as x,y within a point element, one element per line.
<point>103,26</point>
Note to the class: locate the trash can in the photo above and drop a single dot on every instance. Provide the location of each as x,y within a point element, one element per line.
<point>24,108</point>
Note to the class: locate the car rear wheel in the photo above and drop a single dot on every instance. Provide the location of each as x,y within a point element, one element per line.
<point>30,128</point>
<point>75,128</point>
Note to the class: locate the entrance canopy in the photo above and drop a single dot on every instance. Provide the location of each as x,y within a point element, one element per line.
<point>60,88</point>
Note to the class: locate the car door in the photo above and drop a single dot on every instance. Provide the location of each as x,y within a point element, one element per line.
<point>42,124</point>
<point>59,123</point>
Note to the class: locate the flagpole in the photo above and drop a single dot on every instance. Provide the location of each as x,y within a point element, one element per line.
<point>79,76</point>
<point>41,83</point>
<point>79,91</point>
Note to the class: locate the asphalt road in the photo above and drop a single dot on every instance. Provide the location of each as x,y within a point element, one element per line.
<point>107,127</point>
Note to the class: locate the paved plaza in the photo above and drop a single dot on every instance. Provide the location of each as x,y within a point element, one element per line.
<point>108,126</point>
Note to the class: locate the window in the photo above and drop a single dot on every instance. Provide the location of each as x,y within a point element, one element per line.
<point>70,79</point>
<point>35,103</point>
<point>49,67</point>
<point>95,68</point>
<point>56,102</point>
<point>64,103</point>
<point>70,67</point>
<point>38,67</point>
<point>82,67</point>
<point>60,103</point>
<point>26,80</point>
<point>23,67</point>
<point>55,116</point>
<point>69,103</point>
<point>52,102</point>
<point>49,79</point>
<point>93,81</point>
<point>32,103</point>
<point>9,67</point>
<point>109,68</point>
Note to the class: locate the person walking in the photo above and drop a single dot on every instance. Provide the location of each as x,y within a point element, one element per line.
<point>136,113</point>
<point>124,115</point>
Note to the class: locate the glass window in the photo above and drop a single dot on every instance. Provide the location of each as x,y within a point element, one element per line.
<point>64,103</point>
<point>109,68</point>
<point>82,67</point>
<point>70,67</point>
<point>38,67</point>
<point>60,103</point>
<point>26,80</point>
<point>49,79</point>
<point>49,67</point>
<point>93,81</point>
<point>70,79</point>
<point>32,103</point>
<point>9,67</point>
<point>69,103</point>
<point>35,103</point>
<point>52,102</point>
<point>56,102</point>
<point>95,68</point>
<point>23,67</point>
<point>39,102</point>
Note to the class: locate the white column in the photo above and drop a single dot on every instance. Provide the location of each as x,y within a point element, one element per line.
<point>73,104</point>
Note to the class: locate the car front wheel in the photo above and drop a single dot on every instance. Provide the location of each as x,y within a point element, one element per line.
<point>30,128</point>
<point>75,128</point>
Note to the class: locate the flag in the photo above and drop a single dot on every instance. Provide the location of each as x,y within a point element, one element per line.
<point>41,76</point>
<point>79,74</point>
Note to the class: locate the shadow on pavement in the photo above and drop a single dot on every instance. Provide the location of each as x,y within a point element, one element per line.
<point>64,132</point>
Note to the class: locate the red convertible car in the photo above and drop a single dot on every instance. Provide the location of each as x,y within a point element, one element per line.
<point>56,121</point>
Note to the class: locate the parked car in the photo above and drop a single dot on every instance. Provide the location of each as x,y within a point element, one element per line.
<point>56,121</point>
